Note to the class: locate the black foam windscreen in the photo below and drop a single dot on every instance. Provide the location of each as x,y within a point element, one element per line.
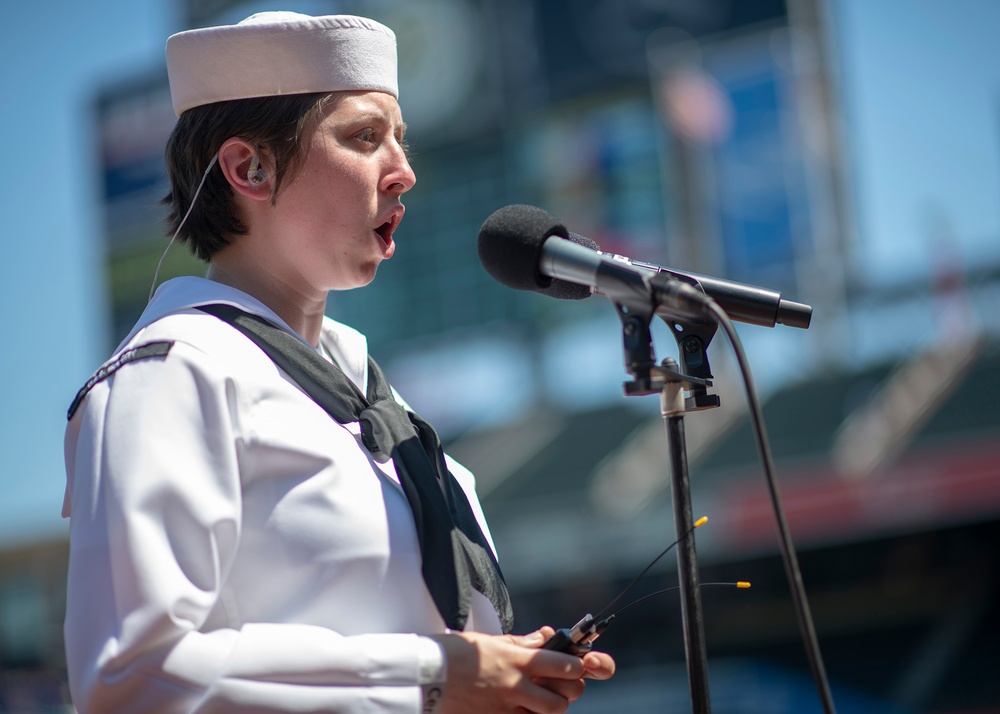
<point>510,249</point>
<point>584,241</point>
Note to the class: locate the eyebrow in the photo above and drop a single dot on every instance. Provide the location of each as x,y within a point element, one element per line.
<point>378,117</point>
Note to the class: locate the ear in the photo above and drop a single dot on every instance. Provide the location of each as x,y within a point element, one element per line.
<point>234,161</point>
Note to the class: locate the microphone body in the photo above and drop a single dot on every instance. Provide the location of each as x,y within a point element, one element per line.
<point>526,248</point>
<point>616,279</point>
<point>742,302</point>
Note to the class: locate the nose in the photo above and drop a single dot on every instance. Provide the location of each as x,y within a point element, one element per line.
<point>400,177</point>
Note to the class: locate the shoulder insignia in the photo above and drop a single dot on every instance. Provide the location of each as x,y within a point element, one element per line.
<point>150,349</point>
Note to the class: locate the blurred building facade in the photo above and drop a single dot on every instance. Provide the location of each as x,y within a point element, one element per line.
<point>702,135</point>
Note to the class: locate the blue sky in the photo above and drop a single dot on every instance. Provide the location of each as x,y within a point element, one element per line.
<point>922,96</point>
<point>921,92</point>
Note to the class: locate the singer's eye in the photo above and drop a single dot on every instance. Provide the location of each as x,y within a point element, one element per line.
<point>366,135</point>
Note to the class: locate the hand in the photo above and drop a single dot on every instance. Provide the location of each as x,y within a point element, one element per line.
<point>596,665</point>
<point>490,674</point>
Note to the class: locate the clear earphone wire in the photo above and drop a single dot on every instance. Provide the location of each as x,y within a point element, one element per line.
<point>194,200</point>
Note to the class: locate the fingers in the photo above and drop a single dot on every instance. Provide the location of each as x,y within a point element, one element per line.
<point>568,689</point>
<point>598,665</point>
<point>547,663</point>
<point>556,665</point>
<point>539,698</point>
<point>535,639</point>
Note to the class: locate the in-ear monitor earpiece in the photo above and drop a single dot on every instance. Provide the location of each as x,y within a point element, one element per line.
<point>255,174</point>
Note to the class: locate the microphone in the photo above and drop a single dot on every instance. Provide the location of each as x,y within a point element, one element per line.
<point>526,248</point>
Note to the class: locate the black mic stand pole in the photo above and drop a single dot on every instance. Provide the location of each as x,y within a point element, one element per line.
<point>692,338</point>
<point>672,410</point>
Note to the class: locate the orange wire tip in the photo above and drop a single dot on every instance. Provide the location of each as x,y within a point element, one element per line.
<point>701,521</point>
<point>743,584</point>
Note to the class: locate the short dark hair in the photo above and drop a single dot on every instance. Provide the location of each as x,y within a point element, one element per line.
<point>277,124</point>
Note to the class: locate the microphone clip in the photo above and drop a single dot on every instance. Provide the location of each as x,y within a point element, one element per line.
<point>693,335</point>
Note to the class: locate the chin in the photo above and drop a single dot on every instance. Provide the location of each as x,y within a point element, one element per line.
<point>359,280</point>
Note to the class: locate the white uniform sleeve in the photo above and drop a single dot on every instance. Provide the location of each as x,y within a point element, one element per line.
<point>153,462</point>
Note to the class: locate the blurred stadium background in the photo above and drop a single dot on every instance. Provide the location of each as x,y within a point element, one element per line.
<point>711,136</point>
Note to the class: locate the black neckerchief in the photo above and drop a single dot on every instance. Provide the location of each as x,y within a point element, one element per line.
<point>456,554</point>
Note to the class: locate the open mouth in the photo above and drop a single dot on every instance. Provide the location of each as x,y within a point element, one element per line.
<point>385,232</point>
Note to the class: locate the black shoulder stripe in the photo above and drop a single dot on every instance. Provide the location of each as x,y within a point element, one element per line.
<point>150,349</point>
